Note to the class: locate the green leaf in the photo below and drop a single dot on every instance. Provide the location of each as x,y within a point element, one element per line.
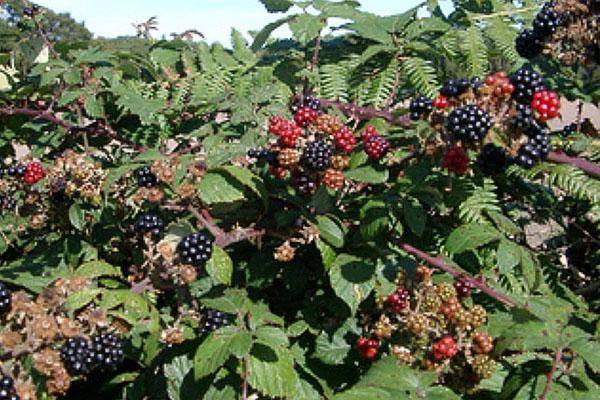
<point>248,179</point>
<point>275,6</point>
<point>328,255</point>
<point>374,219</point>
<point>261,38</point>
<point>306,27</point>
<point>332,350</point>
<point>272,372</point>
<point>330,231</point>
<point>589,350</point>
<point>95,269</point>
<point>176,372</point>
<point>214,351</point>
<point>368,174</point>
<point>352,279</point>
<point>470,237</point>
<point>508,255</point>
<point>220,266</point>
<point>94,106</point>
<point>80,299</point>
<point>219,188</point>
<point>76,216</point>
<point>233,301</point>
<point>415,217</point>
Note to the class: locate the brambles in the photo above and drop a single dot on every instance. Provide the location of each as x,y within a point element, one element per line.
<point>195,249</point>
<point>526,82</point>
<point>213,320</point>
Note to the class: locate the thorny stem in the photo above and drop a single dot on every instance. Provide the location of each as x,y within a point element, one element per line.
<point>439,263</point>
<point>587,166</point>
<point>245,377</point>
<point>550,375</point>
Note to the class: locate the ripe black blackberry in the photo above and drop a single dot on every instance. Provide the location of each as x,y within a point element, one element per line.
<point>476,83</point>
<point>149,223</point>
<point>469,123</point>
<point>420,106</point>
<point>77,356</point>
<point>107,351</point>
<point>145,177</point>
<point>7,202</point>
<point>16,170</point>
<point>305,183</point>
<point>524,117</point>
<point>195,249</point>
<point>317,156</point>
<point>536,149</point>
<point>547,21</point>
<point>263,154</point>
<point>493,159</point>
<point>570,129</point>
<point>5,299</point>
<point>213,320</point>
<point>7,388</point>
<point>528,44</point>
<point>453,88</point>
<point>312,102</point>
<point>526,82</point>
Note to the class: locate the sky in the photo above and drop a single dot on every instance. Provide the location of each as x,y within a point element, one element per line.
<point>214,18</point>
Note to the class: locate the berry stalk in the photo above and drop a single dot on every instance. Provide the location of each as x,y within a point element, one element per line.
<point>581,163</point>
<point>476,283</point>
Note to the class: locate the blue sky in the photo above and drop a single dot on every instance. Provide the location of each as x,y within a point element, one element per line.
<point>214,18</point>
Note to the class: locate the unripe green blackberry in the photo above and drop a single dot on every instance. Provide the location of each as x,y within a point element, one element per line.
<point>417,323</point>
<point>462,319</point>
<point>446,291</point>
<point>483,366</point>
<point>431,301</point>
<point>478,316</point>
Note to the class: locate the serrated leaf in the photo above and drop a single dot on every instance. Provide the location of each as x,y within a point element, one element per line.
<point>219,188</point>
<point>214,351</point>
<point>261,37</point>
<point>332,350</point>
<point>274,6</point>
<point>248,179</point>
<point>330,231</point>
<point>470,237</point>
<point>233,301</point>
<point>220,266</point>
<point>306,27</point>
<point>589,350</point>
<point>415,216</point>
<point>374,219</point>
<point>80,299</point>
<point>508,255</point>
<point>176,372</point>
<point>76,216</point>
<point>272,373</point>
<point>368,174</point>
<point>95,269</point>
<point>352,279</point>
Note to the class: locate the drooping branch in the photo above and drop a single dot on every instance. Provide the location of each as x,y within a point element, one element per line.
<point>36,114</point>
<point>476,283</point>
<point>583,164</point>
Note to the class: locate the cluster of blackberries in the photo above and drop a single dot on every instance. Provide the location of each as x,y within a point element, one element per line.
<point>195,249</point>
<point>7,388</point>
<point>263,154</point>
<point>536,148</point>
<point>16,170</point>
<point>419,107</point>
<point>311,102</point>
<point>5,299</point>
<point>149,223</point>
<point>469,123</point>
<point>570,129</point>
<point>526,82</point>
<point>530,42</point>
<point>305,183</point>
<point>145,177</point>
<point>213,320</point>
<point>317,156</point>
<point>493,159</point>
<point>81,356</point>
<point>7,202</point>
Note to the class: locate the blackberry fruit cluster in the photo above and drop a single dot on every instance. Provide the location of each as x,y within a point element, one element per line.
<point>305,183</point>
<point>493,159</point>
<point>317,156</point>
<point>149,223</point>
<point>213,320</point>
<point>145,177</point>
<point>419,107</point>
<point>7,202</point>
<point>469,123</point>
<point>537,148</point>
<point>107,351</point>
<point>5,299</point>
<point>524,117</point>
<point>455,87</point>
<point>16,170</point>
<point>196,249</point>
<point>530,42</point>
<point>526,82</point>
<point>311,102</point>
<point>570,129</point>
<point>7,388</point>
<point>77,356</point>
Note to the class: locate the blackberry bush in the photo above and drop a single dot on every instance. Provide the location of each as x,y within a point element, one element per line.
<point>526,82</point>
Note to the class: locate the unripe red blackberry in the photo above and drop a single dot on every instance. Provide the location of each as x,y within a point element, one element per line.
<point>195,249</point>
<point>546,103</point>
<point>288,158</point>
<point>77,356</point>
<point>305,116</point>
<point>333,178</point>
<point>483,343</point>
<point>441,102</point>
<point>463,287</point>
<point>398,300</point>
<point>345,140</point>
<point>456,160</point>
<point>5,299</point>
<point>107,351</point>
<point>213,320</point>
<point>149,223</point>
<point>450,307</point>
<point>369,131</point>
<point>469,123</point>
<point>376,147</point>
<point>317,156</point>
<point>34,173</point>
<point>145,177</point>
<point>367,348</point>
<point>444,348</point>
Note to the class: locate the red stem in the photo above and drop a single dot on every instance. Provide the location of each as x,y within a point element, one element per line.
<point>583,164</point>
<point>36,114</point>
<point>439,263</point>
<point>549,375</point>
